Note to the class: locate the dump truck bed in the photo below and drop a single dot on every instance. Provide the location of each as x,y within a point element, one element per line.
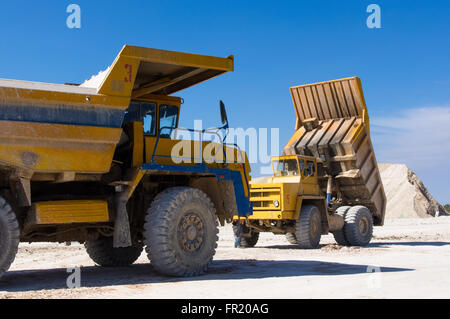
<point>340,139</point>
<point>53,128</point>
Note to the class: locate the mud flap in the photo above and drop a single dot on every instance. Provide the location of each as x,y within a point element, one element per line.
<point>122,233</point>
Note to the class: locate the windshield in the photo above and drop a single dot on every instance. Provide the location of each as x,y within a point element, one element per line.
<point>285,167</point>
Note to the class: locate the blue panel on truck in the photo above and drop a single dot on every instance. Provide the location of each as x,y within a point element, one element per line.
<point>242,202</point>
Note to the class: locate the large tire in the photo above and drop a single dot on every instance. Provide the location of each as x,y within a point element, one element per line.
<point>9,236</point>
<point>291,238</point>
<point>339,235</point>
<point>181,232</point>
<point>247,242</point>
<point>308,227</point>
<point>358,226</point>
<point>104,254</point>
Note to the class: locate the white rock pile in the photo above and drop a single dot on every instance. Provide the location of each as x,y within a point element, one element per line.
<point>407,197</point>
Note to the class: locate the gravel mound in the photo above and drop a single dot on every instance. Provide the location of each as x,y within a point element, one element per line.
<point>407,197</point>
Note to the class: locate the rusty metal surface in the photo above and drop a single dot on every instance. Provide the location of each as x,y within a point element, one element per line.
<point>43,147</point>
<point>341,140</point>
<point>330,100</point>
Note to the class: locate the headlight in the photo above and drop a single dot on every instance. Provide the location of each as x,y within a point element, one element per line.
<point>276,203</point>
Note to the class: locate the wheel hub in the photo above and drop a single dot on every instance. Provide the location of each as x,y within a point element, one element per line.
<point>191,232</point>
<point>315,226</point>
<point>363,226</point>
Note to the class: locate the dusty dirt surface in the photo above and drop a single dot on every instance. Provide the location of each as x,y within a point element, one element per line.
<point>411,255</point>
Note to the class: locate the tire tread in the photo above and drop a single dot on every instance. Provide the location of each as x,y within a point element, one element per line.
<point>102,252</point>
<point>339,235</point>
<point>302,232</point>
<point>157,231</point>
<point>9,249</point>
<point>351,227</point>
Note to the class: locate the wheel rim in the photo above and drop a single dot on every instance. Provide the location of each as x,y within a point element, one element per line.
<point>363,226</point>
<point>191,232</point>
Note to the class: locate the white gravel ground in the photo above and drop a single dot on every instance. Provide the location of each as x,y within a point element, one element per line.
<point>412,255</point>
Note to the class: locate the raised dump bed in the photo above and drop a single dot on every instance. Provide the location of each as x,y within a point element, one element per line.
<point>333,126</point>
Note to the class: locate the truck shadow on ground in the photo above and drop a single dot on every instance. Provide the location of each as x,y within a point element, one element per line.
<point>383,244</point>
<point>410,243</point>
<point>142,274</point>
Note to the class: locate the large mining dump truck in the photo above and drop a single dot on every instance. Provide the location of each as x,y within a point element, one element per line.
<point>96,165</point>
<point>327,179</point>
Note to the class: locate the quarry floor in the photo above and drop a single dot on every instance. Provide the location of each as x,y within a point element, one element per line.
<point>408,258</point>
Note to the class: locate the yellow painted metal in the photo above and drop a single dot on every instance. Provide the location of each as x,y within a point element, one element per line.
<point>288,191</point>
<point>42,146</point>
<point>161,99</point>
<point>68,212</point>
<point>295,137</point>
<point>139,71</point>
<point>45,147</point>
<point>264,197</point>
<point>178,58</point>
<point>121,77</point>
<point>269,215</point>
<point>42,94</point>
<point>135,180</point>
<point>186,151</point>
<point>137,136</point>
<point>211,153</point>
<point>309,184</point>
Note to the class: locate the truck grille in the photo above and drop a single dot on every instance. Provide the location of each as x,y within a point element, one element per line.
<point>264,198</point>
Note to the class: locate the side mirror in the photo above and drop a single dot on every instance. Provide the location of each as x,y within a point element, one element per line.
<point>223,114</point>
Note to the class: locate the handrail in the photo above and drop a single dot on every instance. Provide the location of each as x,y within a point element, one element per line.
<point>226,164</point>
<point>201,132</point>
<point>243,163</point>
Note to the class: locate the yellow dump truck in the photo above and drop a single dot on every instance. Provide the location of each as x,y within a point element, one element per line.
<point>327,179</point>
<point>96,165</point>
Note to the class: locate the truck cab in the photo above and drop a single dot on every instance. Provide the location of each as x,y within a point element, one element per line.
<point>304,167</point>
<point>144,121</point>
<point>278,197</point>
<point>280,201</point>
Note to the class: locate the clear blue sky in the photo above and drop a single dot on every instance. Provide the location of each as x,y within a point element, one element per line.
<point>404,66</point>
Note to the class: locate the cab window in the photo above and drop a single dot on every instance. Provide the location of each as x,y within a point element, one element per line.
<point>285,167</point>
<point>310,169</point>
<point>168,117</point>
<point>142,112</point>
<point>148,112</point>
<point>302,164</point>
<point>133,114</point>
